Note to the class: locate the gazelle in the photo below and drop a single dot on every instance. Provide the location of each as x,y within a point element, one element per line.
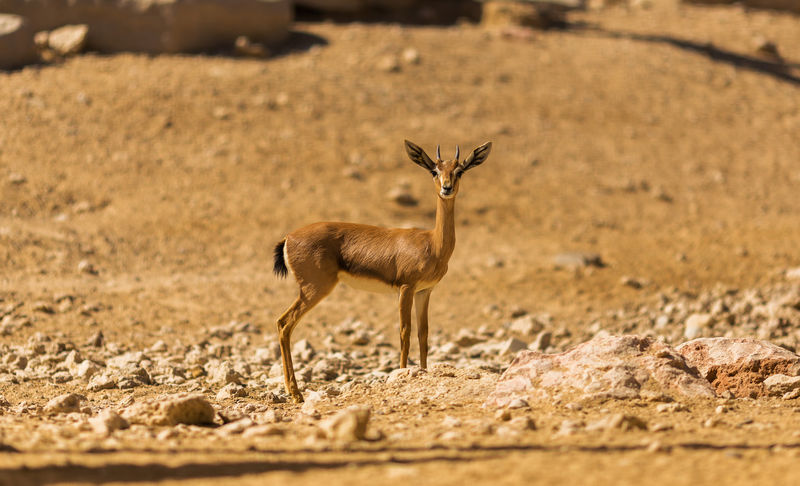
<point>408,261</point>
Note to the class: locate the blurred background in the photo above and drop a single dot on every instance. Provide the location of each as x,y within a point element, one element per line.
<point>152,154</point>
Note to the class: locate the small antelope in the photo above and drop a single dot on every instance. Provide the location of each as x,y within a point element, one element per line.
<point>408,261</point>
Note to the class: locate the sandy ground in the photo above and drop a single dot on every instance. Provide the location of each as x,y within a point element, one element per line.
<point>658,138</point>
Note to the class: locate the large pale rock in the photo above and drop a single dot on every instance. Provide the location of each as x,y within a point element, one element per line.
<point>179,409</point>
<point>739,364</point>
<point>606,367</point>
<point>16,42</point>
<point>158,26</point>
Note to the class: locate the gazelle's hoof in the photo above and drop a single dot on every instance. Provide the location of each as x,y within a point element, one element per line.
<point>297,397</point>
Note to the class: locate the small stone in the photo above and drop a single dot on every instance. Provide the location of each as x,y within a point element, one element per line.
<point>96,340</point>
<point>618,421</point>
<point>107,421</point>
<point>466,338</point>
<point>449,349</point>
<point>348,425</point>
<point>235,427</point>
<point>361,338</point>
<point>577,260</point>
<point>512,346</point>
<point>792,273</point>
<point>695,324</point>
<point>569,427</point>
<point>502,415</point>
<point>101,382</point>
<point>68,40</point>
<point>450,421</point>
<point>631,282</point>
<point>767,49</point>
<point>779,385</point>
<point>541,342</point>
<point>670,407</point>
<point>223,373</point>
<point>712,422</point>
<point>230,391</point>
<point>388,64</point>
<point>84,266</point>
<point>661,427</point>
<point>17,179</point>
<point>67,403</point>
<point>517,403</point>
<point>526,325</point>
<point>221,113</point>
<point>265,430</point>
<point>411,55</point>
<point>303,350</point>
<point>522,423</point>
<point>43,307</point>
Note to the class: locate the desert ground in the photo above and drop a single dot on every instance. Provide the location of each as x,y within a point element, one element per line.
<point>142,197</point>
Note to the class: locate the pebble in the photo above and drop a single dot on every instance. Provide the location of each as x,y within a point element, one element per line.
<point>388,64</point>
<point>411,55</point>
<point>68,40</point>
<point>85,266</point>
<point>107,421</point>
<point>526,325</point>
<point>348,425</point>
<point>619,421</point>
<point>67,403</point>
<point>512,346</point>
<point>576,260</point>
<point>695,325</point>
<point>518,403</point>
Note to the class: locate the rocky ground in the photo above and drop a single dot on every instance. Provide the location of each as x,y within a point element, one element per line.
<point>643,181</point>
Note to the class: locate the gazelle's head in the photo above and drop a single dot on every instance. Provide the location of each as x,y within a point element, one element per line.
<point>447,173</point>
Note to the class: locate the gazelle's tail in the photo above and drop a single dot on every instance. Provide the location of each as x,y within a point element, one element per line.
<point>280,263</point>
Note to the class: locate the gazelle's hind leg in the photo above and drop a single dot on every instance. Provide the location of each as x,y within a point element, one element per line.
<point>421,300</point>
<point>309,297</point>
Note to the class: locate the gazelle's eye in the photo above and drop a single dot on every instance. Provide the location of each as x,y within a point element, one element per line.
<point>433,173</point>
<point>458,174</point>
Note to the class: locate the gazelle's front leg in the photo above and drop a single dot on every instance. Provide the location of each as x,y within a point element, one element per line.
<point>406,302</point>
<point>421,300</point>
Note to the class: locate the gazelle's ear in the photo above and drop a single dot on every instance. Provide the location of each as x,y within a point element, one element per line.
<point>477,157</point>
<point>419,157</point>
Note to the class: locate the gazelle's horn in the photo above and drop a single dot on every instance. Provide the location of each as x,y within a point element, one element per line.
<point>438,155</point>
<point>457,152</point>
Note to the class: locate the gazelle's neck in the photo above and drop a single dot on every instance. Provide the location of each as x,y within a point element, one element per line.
<point>444,233</point>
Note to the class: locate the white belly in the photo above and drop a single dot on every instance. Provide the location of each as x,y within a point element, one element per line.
<point>375,285</point>
<point>368,284</point>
